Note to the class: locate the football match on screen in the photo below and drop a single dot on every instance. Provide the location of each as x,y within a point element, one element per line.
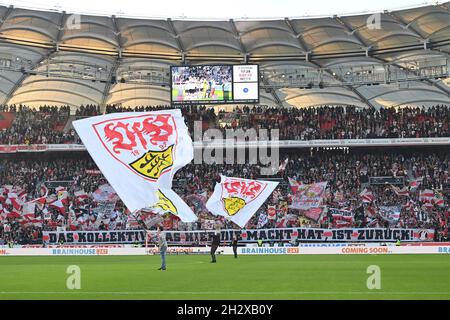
<point>223,157</point>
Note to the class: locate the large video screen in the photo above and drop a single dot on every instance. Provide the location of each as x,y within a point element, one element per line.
<point>219,84</point>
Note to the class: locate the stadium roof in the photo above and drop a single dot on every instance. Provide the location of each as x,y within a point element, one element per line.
<point>58,42</point>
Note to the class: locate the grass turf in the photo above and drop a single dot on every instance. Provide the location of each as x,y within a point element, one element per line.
<point>248,277</point>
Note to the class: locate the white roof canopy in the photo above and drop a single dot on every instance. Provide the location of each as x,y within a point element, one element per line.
<point>107,45</point>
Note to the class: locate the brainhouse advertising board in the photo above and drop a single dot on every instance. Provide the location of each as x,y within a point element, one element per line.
<point>214,84</point>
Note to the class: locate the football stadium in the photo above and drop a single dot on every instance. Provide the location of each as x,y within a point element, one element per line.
<point>183,158</point>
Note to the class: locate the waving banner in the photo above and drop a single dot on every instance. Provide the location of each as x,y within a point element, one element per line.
<point>244,236</point>
<point>238,199</point>
<point>341,218</point>
<point>390,213</point>
<point>137,150</point>
<point>310,197</point>
<point>314,213</point>
<point>167,201</point>
<point>105,193</point>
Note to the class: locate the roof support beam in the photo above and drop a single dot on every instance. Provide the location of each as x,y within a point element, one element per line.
<point>444,7</point>
<point>409,27</point>
<point>298,35</point>
<point>431,83</point>
<point>354,33</point>
<point>273,92</point>
<point>109,84</point>
<point>114,67</point>
<point>352,88</point>
<point>6,15</point>
<point>237,36</point>
<point>177,38</point>
<point>61,25</point>
<point>118,35</point>
<point>19,82</point>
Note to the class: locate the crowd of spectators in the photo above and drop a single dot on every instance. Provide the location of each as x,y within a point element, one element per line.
<point>347,175</point>
<point>37,126</point>
<point>337,122</point>
<point>48,124</point>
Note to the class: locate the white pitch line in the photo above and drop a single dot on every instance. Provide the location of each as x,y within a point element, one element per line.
<point>225,292</point>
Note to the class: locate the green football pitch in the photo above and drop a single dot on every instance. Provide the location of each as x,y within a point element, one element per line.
<point>248,277</point>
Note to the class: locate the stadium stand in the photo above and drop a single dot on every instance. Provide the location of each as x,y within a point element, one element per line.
<point>347,175</point>
<point>325,122</point>
<point>329,78</point>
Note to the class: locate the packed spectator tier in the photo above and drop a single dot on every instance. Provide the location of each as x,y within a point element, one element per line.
<point>348,175</point>
<point>52,125</point>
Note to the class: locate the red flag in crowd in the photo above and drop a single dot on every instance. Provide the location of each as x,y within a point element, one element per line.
<point>366,196</point>
<point>58,205</point>
<point>427,195</point>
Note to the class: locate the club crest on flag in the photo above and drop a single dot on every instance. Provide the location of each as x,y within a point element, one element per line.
<point>238,192</point>
<point>233,205</point>
<point>164,204</point>
<point>238,199</point>
<point>145,143</point>
<point>153,163</point>
<point>136,151</point>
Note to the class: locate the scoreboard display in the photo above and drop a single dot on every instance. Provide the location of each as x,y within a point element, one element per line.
<point>214,84</point>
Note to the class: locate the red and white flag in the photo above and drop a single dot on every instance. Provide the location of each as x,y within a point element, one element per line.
<point>137,152</point>
<point>294,185</point>
<point>238,199</point>
<point>58,205</point>
<point>28,210</point>
<point>81,195</point>
<point>63,196</point>
<point>14,200</point>
<point>341,218</point>
<point>400,192</point>
<point>439,200</point>
<point>309,196</point>
<point>366,196</point>
<point>414,184</point>
<point>13,214</point>
<point>44,191</point>
<point>427,195</point>
<point>282,222</point>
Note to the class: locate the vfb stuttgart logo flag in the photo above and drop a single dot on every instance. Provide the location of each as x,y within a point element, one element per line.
<point>167,201</point>
<point>137,151</point>
<point>144,144</point>
<point>239,199</point>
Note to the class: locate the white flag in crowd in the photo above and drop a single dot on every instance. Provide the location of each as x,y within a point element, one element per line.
<point>390,213</point>
<point>167,201</point>
<point>262,220</point>
<point>137,151</point>
<point>238,199</point>
<point>310,196</point>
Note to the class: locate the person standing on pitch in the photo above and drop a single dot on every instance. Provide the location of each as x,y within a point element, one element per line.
<point>162,243</point>
<point>234,244</point>
<point>214,245</point>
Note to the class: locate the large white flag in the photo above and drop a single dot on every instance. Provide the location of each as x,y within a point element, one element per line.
<point>137,151</point>
<point>167,201</point>
<point>238,199</point>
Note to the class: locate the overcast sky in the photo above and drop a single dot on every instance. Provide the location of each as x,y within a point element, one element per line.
<point>215,9</point>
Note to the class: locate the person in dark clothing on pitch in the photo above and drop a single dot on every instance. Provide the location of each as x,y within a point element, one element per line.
<point>214,245</point>
<point>234,244</point>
